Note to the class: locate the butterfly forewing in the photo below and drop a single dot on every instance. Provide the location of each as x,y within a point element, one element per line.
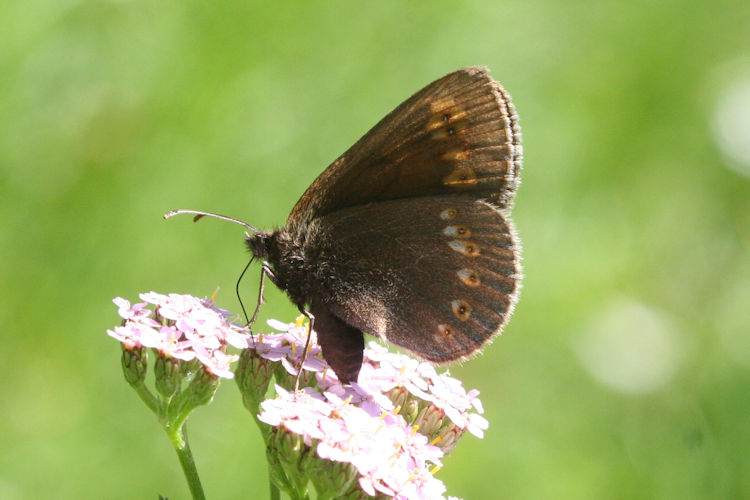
<point>457,135</point>
<point>436,275</point>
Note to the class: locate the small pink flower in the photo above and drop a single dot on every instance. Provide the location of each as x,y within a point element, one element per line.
<point>398,370</point>
<point>449,395</point>
<point>219,363</point>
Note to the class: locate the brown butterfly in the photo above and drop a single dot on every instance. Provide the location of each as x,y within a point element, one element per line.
<point>407,235</point>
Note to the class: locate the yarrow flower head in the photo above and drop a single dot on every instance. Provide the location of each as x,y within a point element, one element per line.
<point>437,402</point>
<point>415,413</point>
<point>190,338</point>
<point>182,327</point>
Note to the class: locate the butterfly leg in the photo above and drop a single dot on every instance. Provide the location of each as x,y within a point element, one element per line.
<point>310,326</point>
<point>265,271</point>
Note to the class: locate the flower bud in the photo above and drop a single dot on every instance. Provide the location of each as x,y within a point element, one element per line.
<point>168,376</point>
<point>202,388</point>
<point>448,438</point>
<point>332,479</point>
<point>431,420</point>
<point>253,375</point>
<point>134,365</point>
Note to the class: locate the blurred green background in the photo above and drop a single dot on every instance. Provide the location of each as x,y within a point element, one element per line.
<point>625,372</point>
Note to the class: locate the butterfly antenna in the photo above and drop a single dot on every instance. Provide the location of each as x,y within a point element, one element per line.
<point>199,215</point>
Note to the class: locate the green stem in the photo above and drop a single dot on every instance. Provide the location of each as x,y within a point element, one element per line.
<point>181,446</point>
<point>147,397</point>
<point>181,417</point>
<point>275,494</point>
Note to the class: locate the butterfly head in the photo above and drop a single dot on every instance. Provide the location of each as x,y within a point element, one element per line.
<point>259,244</point>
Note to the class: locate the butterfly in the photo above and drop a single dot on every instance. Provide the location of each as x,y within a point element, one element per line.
<point>407,235</point>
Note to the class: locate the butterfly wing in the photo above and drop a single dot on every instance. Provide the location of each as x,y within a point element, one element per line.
<point>459,134</point>
<point>436,275</point>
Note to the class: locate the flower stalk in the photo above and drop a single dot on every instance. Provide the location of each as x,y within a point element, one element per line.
<point>178,437</point>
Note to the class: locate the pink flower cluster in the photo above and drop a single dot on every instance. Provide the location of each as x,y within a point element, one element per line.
<point>390,456</point>
<point>360,423</point>
<point>392,370</point>
<point>181,327</point>
<point>287,347</point>
<point>382,373</point>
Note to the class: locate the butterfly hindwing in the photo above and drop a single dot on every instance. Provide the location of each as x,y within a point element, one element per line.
<point>459,134</point>
<point>436,275</point>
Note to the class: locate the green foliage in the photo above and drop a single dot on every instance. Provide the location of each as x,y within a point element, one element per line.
<point>112,113</point>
